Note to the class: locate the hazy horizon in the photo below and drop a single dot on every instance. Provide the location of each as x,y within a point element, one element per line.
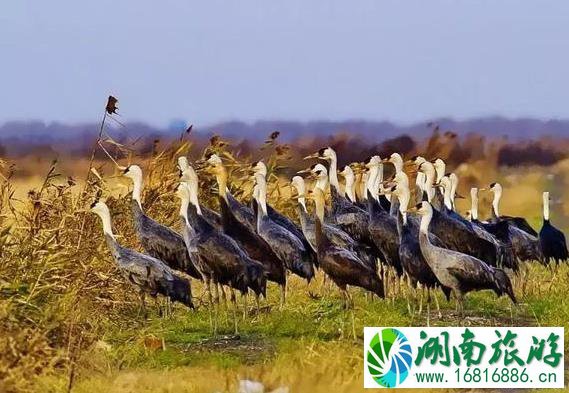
<point>207,63</point>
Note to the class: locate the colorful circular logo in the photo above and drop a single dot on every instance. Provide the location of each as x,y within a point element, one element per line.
<point>389,358</point>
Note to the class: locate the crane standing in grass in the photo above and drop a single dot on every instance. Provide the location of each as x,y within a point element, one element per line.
<point>222,260</point>
<point>158,240</point>
<point>149,275</point>
<point>460,272</point>
<point>343,266</point>
<point>295,255</point>
<point>552,240</point>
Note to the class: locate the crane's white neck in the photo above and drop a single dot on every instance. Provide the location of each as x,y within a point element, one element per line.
<point>372,176</point>
<point>193,195</point>
<point>429,180</point>
<point>453,187</point>
<point>363,185</point>
<point>221,178</point>
<point>447,194</point>
<point>546,206</point>
<point>425,221</point>
<point>137,189</point>
<point>322,182</point>
<point>350,191</point>
<point>301,191</point>
<point>404,196</point>
<point>440,169</point>
<point>184,204</point>
<point>420,181</point>
<point>474,203</point>
<point>261,193</point>
<point>496,201</point>
<point>333,173</point>
<point>183,163</point>
<point>397,162</point>
<point>378,183</point>
<point>105,216</point>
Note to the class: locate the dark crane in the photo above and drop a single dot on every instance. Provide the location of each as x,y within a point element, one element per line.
<point>341,265</point>
<point>552,240</point>
<point>221,259</point>
<point>524,240</point>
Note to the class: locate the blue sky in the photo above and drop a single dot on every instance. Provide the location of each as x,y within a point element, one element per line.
<point>209,61</point>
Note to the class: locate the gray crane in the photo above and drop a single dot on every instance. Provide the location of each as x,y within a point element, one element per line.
<point>460,272</point>
<point>343,266</point>
<point>147,274</point>
<point>297,258</point>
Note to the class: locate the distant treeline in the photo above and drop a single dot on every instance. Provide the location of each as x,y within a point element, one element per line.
<point>513,142</point>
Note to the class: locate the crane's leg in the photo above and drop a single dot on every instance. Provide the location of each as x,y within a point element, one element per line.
<point>421,294</point>
<point>386,281</point>
<point>223,295</point>
<point>207,283</point>
<point>428,314</point>
<point>460,304</point>
<point>408,295</point>
<point>245,305</point>
<point>216,307</point>
<point>353,324</point>
<point>438,306</point>
<point>234,302</point>
<point>428,307</point>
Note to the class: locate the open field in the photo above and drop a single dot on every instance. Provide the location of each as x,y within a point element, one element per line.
<point>68,322</point>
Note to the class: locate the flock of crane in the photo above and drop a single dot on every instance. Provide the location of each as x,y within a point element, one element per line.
<point>367,238</point>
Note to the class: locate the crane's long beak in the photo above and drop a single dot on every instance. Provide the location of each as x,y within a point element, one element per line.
<point>482,189</point>
<point>304,171</point>
<point>458,196</point>
<point>311,156</point>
